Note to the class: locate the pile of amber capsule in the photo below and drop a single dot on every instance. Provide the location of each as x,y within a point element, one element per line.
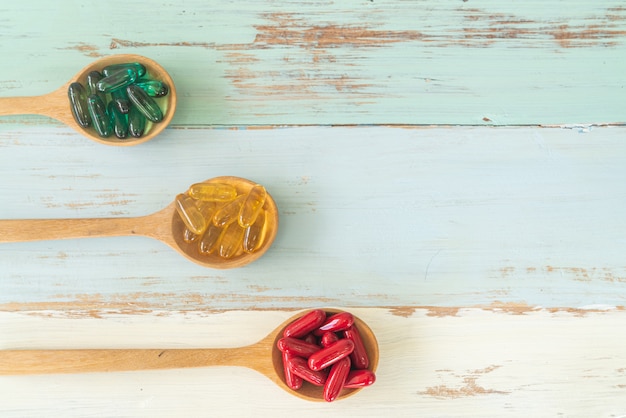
<point>118,101</point>
<point>220,220</point>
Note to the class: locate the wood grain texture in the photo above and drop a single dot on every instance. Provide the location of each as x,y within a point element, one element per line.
<point>476,363</point>
<point>478,62</point>
<point>369,216</point>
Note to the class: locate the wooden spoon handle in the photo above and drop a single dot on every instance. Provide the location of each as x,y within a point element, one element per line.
<point>21,230</point>
<point>54,105</point>
<point>20,362</point>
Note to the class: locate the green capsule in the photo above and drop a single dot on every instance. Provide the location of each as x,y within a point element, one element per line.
<point>154,88</point>
<point>116,80</point>
<point>78,103</point>
<point>101,120</point>
<point>92,82</point>
<point>138,68</point>
<point>121,100</point>
<point>119,121</point>
<point>145,103</point>
<point>136,122</point>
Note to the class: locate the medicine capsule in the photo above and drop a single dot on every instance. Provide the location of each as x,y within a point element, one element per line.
<point>210,240</point>
<point>228,213</point>
<point>336,379</point>
<point>253,235</point>
<point>78,103</point>
<point>136,122</point>
<point>189,237</point>
<point>305,324</point>
<point>293,380</point>
<point>190,214</point>
<point>299,367</point>
<point>138,68</point>
<point>116,80</point>
<point>154,88</point>
<point>359,357</point>
<point>144,103</point>
<point>337,322</point>
<point>329,338</point>
<point>330,355</point>
<point>118,120</point>
<point>121,100</point>
<point>231,241</point>
<point>100,118</point>
<point>252,205</point>
<point>92,82</point>
<point>297,347</point>
<point>359,379</point>
<point>213,192</point>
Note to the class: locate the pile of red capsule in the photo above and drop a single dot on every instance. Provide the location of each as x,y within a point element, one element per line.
<point>325,351</point>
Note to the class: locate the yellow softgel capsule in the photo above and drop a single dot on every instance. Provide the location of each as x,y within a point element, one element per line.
<point>213,192</point>
<point>190,214</point>
<point>252,205</point>
<point>253,235</point>
<point>189,237</point>
<point>210,240</point>
<point>229,212</point>
<point>231,241</point>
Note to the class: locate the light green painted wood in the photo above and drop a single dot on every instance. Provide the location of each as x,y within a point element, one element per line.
<point>477,62</point>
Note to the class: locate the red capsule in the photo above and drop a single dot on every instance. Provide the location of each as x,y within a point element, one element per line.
<point>330,355</point>
<point>336,379</point>
<point>293,380</point>
<point>297,347</point>
<point>359,355</point>
<point>305,324</point>
<point>359,379</point>
<point>337,322</point>
<point>310,338</point>
<point>299,367</point>
<point>329,338</point>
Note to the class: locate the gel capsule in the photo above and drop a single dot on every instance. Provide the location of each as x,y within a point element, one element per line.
<point>359,355</point>
<point>329,338</point>
<point>99,116</point>
<point>228,213</point>
<point>336,379</point>
<point>337,322</point>
<point>253,235</point>
<point>154,88</point>
<point>136,122</point>
<point>116,80</point>
<point>118,120</point>
<point>144,103</point>
<point>121,100</point>
<point>231,240</point>
<point>305,324</point>
<point>189,237</point>
<point>190,214</point>
<point>138,68</point>
<point>78,103</point>
<point>299,367</point>
<point>330,355</point>
<point>297,347</point>
<point>210,240</point>
<point>359,379</point>
<point>92,84</point>
<point>213,192</point>
<point>252,205</point>
<point>293,380</point>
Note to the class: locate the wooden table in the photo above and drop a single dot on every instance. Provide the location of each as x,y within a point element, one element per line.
<point>452,172</point>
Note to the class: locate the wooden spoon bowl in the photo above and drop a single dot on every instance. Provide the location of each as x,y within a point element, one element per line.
<point>57,106</point>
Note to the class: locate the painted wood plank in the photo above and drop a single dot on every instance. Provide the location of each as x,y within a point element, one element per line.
<point>478,62</point>
<point>369,216</point>
<point>470,363</point>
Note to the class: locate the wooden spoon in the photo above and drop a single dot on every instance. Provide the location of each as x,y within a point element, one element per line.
<point>56,104</point>
<point>262,356</point>
<point>164,225</point>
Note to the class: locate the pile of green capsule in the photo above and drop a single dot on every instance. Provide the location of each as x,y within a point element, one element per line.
<point>120,100</point>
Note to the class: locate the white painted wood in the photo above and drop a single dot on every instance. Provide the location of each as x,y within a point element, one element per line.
<point>470,363</point>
